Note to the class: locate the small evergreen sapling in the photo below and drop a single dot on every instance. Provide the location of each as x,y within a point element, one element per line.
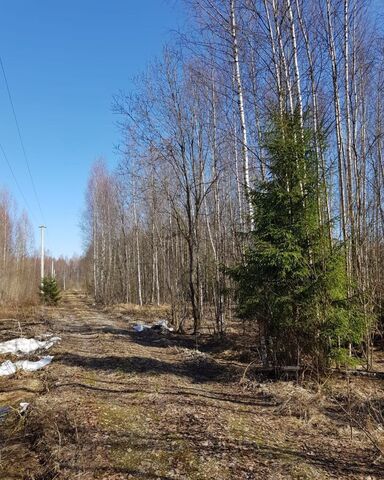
<point>49,291</point>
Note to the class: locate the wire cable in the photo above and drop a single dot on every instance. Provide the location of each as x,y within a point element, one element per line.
<point>21,139</point>
<point>16,182</point>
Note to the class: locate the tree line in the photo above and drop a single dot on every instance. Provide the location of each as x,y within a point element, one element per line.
<point>251,176</point>
<point>20,260</point>
<point>17,263</point>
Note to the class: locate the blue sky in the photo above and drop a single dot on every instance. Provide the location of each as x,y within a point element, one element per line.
<point>64,61</point>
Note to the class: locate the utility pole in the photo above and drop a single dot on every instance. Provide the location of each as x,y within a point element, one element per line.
<point>42,227</point>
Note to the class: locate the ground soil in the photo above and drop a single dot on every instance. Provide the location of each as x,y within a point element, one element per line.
<point>116,404</point>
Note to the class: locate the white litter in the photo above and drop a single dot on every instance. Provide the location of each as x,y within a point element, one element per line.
<point>163,324</point>
<point>159,325</point>
<point>140,327</point>
<point>23,407</point>
<point>9,368</point>
<point>27,345</point>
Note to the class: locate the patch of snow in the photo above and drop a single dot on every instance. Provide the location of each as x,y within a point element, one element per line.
<point>9,368</point>
<point>29,366</point>
<point>27,345</point>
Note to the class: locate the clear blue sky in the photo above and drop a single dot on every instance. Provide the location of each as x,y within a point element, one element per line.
<point>64,61</point>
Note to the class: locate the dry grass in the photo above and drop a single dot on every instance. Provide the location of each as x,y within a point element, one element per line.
<point>117,405</point>
<point>19,311</point>
<point>137,311</point>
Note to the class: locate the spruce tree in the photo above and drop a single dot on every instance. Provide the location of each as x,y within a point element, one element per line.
<point>292,281</point>
<point>49,291</point>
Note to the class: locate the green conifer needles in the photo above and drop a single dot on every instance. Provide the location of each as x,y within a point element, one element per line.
<point>49,291</point>
<point>293,279</point>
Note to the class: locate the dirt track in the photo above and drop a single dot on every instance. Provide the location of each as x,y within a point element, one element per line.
<point>115,404</point>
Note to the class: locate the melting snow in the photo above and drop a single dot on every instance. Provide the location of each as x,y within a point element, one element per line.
<point>29,366</point>
<point>27,345</point>
<point>9,368</point>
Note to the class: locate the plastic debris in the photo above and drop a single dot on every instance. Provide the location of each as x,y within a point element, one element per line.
<point>27,345</point>
<point>160,325</point>
<point>23,407</point>
<point>4,412</point>
<point>140,327</point>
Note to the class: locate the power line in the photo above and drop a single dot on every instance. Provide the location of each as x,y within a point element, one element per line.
<point>21,139</point>
<point>16,182</point>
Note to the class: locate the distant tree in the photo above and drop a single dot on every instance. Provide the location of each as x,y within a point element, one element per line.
<point>49,291</point>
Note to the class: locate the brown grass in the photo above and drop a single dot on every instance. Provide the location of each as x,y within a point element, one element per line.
<point>137,311</point>
<point>117,405</point>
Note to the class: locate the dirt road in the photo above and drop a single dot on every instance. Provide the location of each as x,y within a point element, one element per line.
<point>116,404</point>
